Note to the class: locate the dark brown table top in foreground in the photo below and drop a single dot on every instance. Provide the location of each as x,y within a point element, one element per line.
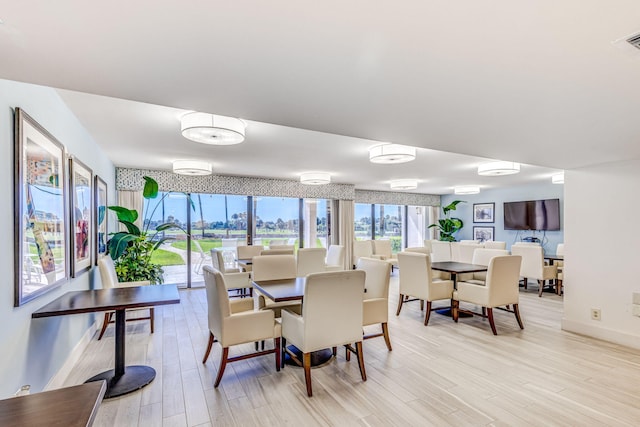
<point>554,257</point>
<point>282,290</point>
<point>455,267</point>
<point>74,406</point>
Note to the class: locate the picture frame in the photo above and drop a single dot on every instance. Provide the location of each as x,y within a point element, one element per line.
<point>41,210</point>
<point>82,218</point>
<point>483,234</point>
<point>484,212</point>
<point>100,218</point>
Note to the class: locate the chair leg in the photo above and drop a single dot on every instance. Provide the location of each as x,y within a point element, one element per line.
<point>206,353</point>
<point>540,287</point>
<point>363,373</point>
<point>559,287</point>
<point>385,333</point>
<point>105,323</point>
<point>400,301</point>
<point>276,346</point>
<point>223,365</point>
<point>283,343</point>
<point>491,322</point>
<point>151,318</point>
<point>484,312</point>
<point>347,354</point>
<point>454,310</point>
<point>526,281</point>
<point>421,304</point>
<point>306,363</point>
<point>516,311</point>
<point>428,313</point>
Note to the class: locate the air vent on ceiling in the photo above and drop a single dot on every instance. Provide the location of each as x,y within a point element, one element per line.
<point>630,43</point>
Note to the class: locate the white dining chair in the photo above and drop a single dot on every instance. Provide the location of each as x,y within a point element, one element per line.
<point>310,260</point>
<point>335,258</point>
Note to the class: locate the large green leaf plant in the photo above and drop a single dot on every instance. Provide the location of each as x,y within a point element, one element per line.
<point>448,226</point>
<point>131,250</point>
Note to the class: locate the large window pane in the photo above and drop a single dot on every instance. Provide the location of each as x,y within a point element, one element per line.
<point>362,216</point>
<point>315,223</point>
<point>417,223</point>
<point>276,218</point>
<point>388,224</point>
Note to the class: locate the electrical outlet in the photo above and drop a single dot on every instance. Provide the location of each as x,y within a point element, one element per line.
<point>595,314</point>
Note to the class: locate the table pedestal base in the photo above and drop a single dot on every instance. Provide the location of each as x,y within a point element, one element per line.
<point>447,312</point>
<point>134,378</point>
<point>318,358</point>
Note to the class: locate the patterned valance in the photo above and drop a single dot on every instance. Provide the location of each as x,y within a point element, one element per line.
<point>392,198</point>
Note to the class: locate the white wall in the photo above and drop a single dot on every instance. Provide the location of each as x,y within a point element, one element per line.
<point>33,350</point>
<point>602,253</point>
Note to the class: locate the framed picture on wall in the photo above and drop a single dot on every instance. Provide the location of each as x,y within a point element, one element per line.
<point>41,209</point>
<point>483,212</point>
<point>100,218</point>
<point>483,234</point>
<point>82,234</point>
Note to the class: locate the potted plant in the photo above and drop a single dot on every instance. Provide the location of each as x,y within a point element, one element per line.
<point>447,226</point>
<point>131,250</point>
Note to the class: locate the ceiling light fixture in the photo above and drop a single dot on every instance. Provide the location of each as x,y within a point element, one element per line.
<point>315,178</point>
<point>557,178</point>
<point>404,184</point>
<point>192,167</point>
<point>498,168</point>
<point>466,189</point>
<point>211,129</point>
<point>391,153</point>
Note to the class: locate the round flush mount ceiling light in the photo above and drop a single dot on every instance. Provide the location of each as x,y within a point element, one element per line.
<point>466,189</point>
<point>192,167</point>
<point>498,168</point>
<point>557,178</point>
<point>391,153</point>
<point>315,178</point>
<point>404,184</point>
<point>211,129</point>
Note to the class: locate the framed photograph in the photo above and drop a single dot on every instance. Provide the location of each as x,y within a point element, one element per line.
<point>483,234</point>
<point>483,212</point>
<point>100,218</point>
<point>41,209</point>
<point>81,197</point>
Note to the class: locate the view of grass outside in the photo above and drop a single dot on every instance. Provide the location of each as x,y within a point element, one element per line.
<point>386,222</point>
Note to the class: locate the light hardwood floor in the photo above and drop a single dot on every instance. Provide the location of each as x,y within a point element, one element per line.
<point>443,374</point>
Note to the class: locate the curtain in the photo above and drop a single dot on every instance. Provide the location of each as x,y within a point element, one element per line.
<point>131,200</point>
<point>346,233</point>
<point>434,216</point>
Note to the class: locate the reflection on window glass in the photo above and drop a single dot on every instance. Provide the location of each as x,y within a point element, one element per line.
<point>276,221</point>
<point>315,223</point>
<point>362,217</point>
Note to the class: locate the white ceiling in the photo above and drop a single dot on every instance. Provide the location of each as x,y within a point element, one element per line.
<point>537,82</point>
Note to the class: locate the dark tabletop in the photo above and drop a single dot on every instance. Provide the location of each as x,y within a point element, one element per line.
<point>70,407</point>
<point>282,290</point>
<point>457,267</point>
<point>554,257</point>
<point>75,302</point>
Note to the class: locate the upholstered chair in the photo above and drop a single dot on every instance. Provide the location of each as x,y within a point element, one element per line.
<point>382,250</point>
<point>533,266</point>
<point>233,323</point>
<point>500,289</point>
<point>233,277</point>
<point>248,252</point>
<point>427,244</point>
<point>419,249</point>
<point>331,316</point>
<point>435,275</point>
<point>440,251</point>
<point>275,267</point>
<point>335,258</point>
<point>311,260</point>
<point>283,247</point>
<point>416,280</point>
<point>495,245</point>
<point>464,251</point>
<point>277,242</point>
<point>278,251</point>
<point>560,266</point>
<point>482,256</point>
<point>376,296</point>
<point>362,248</point>
<point>109,280</point>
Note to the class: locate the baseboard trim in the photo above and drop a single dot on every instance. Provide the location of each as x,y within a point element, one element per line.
<point>58,380</point>
<point>604,334</point>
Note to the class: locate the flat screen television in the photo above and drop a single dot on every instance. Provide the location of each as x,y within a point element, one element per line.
<point>532,215</point>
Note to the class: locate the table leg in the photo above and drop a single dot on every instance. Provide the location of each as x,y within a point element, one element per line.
<point>447,311</point>
<point>120,337</point>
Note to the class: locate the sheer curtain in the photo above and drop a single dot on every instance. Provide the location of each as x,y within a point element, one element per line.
<point>346,233</point>
<point>434,216</point>
<point>131,200</point>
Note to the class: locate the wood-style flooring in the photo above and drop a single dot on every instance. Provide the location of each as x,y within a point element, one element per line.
<point>443,374</point>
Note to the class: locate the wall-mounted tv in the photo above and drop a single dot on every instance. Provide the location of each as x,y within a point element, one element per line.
<point>532,215</point>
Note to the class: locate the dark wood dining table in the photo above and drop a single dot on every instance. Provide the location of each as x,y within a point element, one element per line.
<point>122,379</point>
<point>454,268</point>
<point>553,257</point>
<point>74,406</point>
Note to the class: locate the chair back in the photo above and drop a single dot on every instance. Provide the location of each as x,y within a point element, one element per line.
<point>490,244</point>
<point>503,276</point>
<point>218,306</point>
<point>282,247</point>
<point>274,267</point>
<point>532,260</point>
<point>415,274</point>
<point>440,251</point>
<point>560,249</point>
<point>465,251</point>
<point>382,247</point>
<point>362,248</point>
<point>335,256</point>
<point>419,249</point>
<point>108,274</point>
<point>311,260</point>
<point>469,241</point>
<point>277,242</point>
<point>483,256</point>
<point>332,309</point>
<point>220,263</point>
<point>249,251</point>
<point>427,244</point>
<point>378,274</point>
<point>277,252</point>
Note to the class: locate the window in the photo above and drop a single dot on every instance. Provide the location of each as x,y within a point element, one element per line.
<point>276,218</point>
<point>363,220</point>
<point>316,223</point>
<point>389,224</point>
